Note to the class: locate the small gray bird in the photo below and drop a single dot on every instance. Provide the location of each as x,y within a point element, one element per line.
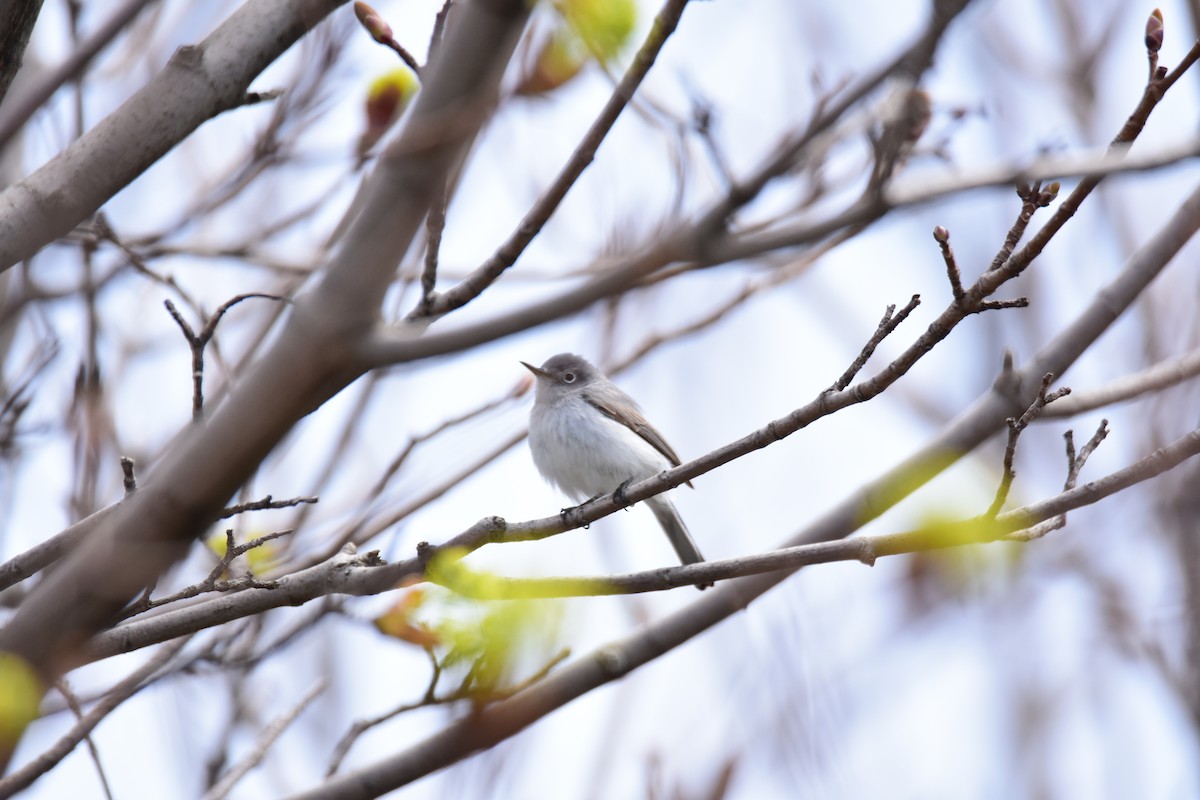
<point>589,438</point>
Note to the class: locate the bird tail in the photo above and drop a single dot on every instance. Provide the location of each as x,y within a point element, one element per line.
<point>676,531</point>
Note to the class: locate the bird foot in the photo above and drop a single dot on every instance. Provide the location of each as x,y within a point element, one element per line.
<point>562,514</point>
<point>619,495</point>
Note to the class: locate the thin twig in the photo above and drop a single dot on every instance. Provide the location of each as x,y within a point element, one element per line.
<point>1028,194</point>
<point>1075,464</point>
<point>381,32</point>
<point>405,56</point>
<point>213,582</point>
<point>537,216</point>
<point>1156,87</point>
<point>942,237</point>
<point>431,699</point>
<point>266,503</point>
<point>265,739</point>
<point>254,98</point>
<point>198,341</point>
<point>25,776</point>
<point>77,709</point>
<point>1015,428</point>
<point>435,225</point>
<point>886,326</point>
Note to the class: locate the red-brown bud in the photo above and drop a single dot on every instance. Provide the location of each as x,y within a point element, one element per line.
<point>373,23</point>
<point>1048,193</point>
<point>1154,31</point>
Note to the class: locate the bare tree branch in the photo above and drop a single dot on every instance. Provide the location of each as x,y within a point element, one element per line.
<point>460,739</point>
<point>1017,426</point>
<point>967,432</point>
<point>265,739</point>
<point>22,778</point>
<point>615,660</point>
<point>200,82</point>
<point>266,503</point>
<point>430,698</point>
<point>536,218</point>
<point>77,709</point>
<point>304,366</point>
<point>1160,376</point>
<point>37,558</point>
<point>19,109</point>
<point>198,341</point>
<point>1017,525</point>
<point>762,213</point>
<point>14,38</point>
<point>924,190</point>
<point>214,582</point>
<point>43,555</point>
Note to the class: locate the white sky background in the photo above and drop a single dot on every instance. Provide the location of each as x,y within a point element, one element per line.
<point>846,682</point>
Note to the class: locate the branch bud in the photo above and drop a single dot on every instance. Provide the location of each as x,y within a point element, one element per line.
<point>373,23</point>
<point>1047,195</point>
<point>387,97</point>
<point>1154,31</point>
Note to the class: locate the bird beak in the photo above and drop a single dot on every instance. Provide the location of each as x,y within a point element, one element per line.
<point>541,373</point>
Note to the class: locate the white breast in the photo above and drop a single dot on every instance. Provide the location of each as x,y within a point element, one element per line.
<point>585,453</point>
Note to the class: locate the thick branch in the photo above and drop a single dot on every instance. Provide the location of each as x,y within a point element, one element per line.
<point>198,83</point>
<point>981,530</point>
<point>1168,372</point>
<point>305,366</point>
<point>458,95</point>
<point>959,438</point>
<point>699,241</point>
<point>929,189</point>
<point>19,17</point>
<point>502,720</point>
<point>26,775</point>
<point>21,107</point>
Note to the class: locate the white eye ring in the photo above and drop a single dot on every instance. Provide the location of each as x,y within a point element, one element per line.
<point>568,377</point>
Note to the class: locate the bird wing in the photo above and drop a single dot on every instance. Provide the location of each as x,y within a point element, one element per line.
<point>638,424</point>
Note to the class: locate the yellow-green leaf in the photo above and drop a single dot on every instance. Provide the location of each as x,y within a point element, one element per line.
<point>20,694</point>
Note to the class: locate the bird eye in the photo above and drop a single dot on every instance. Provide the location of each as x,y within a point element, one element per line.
<point>568,377</point>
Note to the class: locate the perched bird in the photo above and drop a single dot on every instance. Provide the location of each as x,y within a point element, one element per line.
<point>589,439</point>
